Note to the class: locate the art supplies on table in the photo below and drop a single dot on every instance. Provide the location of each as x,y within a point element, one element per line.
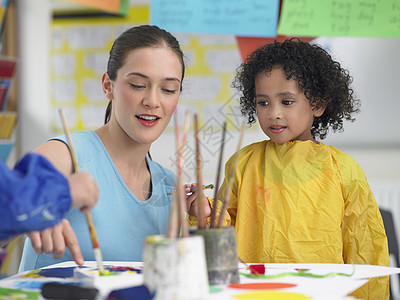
<point>221,254</point>
<point>140,292</point>
<point>175,269</point>
<point>220,242</point>
<point>55,290</point>
<point>272,280</point>
<point>73,279</point>
<point>175,266</point>
<point>113,276</point>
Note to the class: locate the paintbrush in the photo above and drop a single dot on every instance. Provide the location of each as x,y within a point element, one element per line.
<point>214,208</point>
<point>201,221</point>
<point>181,192</point>
<point>228,191</point>
<point>177,216</point>
<point>174,223</point>
<point>89,219</point>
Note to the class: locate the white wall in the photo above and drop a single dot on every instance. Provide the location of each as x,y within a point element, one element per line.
<point>373,140</point>
<point>34,89</point>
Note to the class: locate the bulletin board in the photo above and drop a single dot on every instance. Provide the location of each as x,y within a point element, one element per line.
<point>79,54</point>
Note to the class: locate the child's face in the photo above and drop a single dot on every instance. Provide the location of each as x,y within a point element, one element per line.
<point>284,112</point>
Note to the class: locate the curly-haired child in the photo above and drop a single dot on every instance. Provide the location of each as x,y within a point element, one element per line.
<point>294,199</point>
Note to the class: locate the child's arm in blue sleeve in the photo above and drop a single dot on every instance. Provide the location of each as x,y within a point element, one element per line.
<point>33,196</point>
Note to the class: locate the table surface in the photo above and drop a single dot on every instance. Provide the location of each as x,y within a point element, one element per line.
<point>336,286</point>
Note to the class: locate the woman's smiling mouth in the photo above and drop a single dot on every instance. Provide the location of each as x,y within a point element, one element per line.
<point>148,120</point>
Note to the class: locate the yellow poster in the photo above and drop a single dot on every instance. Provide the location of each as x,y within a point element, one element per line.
<point>79,56</point>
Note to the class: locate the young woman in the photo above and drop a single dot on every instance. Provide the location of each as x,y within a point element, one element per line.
<point>143,83</point>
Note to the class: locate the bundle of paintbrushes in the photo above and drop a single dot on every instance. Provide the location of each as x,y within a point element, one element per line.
<point>178,223</point>
<point>220,242</point>
<point>175,265</point>
<point>206,255</point>
<point>214,221</point>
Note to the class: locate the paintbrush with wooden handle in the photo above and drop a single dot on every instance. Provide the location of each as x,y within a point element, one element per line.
<point>89,219</point>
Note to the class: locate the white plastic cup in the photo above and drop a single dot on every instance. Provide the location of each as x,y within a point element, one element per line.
<point>175,269</point>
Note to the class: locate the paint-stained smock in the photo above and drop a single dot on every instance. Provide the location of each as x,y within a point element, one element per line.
<point>302,202</point>
<point>121,220</point>
<point>33,196</point>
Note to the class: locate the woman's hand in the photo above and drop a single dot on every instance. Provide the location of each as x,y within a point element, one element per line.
<point>192,205</point>
<point>55,239</point>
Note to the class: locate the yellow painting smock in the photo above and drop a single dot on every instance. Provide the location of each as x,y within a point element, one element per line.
<point>302,202</point>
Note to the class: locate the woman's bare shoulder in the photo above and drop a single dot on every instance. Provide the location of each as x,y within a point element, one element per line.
<point>57,152</point>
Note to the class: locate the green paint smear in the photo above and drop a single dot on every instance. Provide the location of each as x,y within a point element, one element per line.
<point>107,273</point>
<point>6,293</point>
<point>301,273</point>
<point>214,289</point>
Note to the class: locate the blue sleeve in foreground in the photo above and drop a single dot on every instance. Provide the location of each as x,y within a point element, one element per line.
<point>33,196</point>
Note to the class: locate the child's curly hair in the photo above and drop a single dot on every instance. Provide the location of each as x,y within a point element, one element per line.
<point>324,82</point>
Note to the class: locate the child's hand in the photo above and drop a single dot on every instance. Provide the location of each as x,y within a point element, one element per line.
<point>192,201</point>
<point>84,191</point>
<point>55,240</point>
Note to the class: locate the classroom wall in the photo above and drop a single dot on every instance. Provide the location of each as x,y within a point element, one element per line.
<point>34,18</point>
<point>373,140</point>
